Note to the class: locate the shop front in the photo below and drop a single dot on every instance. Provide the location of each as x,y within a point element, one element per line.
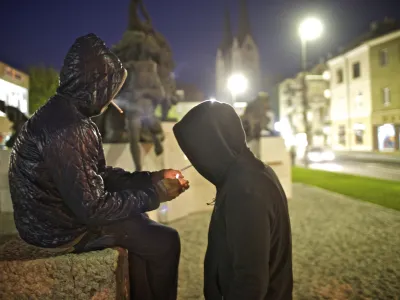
<point>386,129</point>
<point>14,89</point>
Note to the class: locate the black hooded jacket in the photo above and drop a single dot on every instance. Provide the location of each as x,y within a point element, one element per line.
<point>249,253</point>
<point>59,183</point>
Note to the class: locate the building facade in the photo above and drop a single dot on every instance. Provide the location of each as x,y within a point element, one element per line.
<point>14,91</point>
<point>365,95</point>
<point>351,100</point>
<point>238,54</point>
<point>291,108</point>
<point>385,92</point>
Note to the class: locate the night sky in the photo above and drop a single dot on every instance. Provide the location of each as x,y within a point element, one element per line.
<point>41,31</point>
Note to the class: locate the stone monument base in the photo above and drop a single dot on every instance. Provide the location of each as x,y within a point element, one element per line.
<point>27,272</point>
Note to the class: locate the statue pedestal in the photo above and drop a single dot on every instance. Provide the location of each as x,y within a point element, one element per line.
<point>201,191</point>
<point>271,150</point>
<point>5,199</point>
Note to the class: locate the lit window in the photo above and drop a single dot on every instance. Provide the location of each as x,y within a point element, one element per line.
<point>386,137</point>
<point>383,57</point>
<point>9,71</point>
<point>386,96</point>
<point>359,130</point>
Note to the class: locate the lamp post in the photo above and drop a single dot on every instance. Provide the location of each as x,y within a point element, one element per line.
<point>310,29</point>
<point>237,84</point>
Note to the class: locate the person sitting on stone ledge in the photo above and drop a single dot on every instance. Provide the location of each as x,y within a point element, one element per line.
<point>249,252</point>
<point>64,196</point>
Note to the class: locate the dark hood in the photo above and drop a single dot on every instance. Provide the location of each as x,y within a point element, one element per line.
<point>212,137</point>
<point>91,75</point>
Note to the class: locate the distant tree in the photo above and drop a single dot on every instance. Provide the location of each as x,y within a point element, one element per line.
<point>43,84</point>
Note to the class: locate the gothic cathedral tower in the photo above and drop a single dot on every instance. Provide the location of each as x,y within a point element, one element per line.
<point>238,54</point>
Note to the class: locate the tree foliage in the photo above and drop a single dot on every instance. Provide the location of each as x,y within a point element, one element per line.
<point>43,84</point>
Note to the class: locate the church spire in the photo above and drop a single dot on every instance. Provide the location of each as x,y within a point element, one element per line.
<point>227,35</point>
<point>244,21</point>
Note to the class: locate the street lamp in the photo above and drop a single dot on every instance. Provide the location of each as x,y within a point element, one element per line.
<point>310,29</point>
<point>237,84</point>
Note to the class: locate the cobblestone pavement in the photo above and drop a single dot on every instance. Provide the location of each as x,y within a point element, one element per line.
<point>342,248</point>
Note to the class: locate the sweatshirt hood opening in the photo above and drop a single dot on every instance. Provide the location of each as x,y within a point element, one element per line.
<point>91,75</point>
<point>212,137</point>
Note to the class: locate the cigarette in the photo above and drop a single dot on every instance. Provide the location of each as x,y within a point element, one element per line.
<point>117,107</point>
<point>185,168</point>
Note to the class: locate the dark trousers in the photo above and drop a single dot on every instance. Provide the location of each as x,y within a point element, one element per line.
<point>154,251</point>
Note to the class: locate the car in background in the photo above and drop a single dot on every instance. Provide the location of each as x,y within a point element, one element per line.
<point>320,155</point>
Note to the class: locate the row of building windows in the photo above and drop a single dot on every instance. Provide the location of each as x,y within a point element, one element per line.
<point>14,95</point>
<point>386,97</point>
<point>12,73</point>
<point>356,72</point>
<point>356,67</point>
<point>384,56</point>
<point>359,132</point>
<point>386,136</point>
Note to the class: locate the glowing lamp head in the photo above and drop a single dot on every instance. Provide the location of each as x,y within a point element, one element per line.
<point>237,84</point>
<point>326,75</point>
<point>310,29</point>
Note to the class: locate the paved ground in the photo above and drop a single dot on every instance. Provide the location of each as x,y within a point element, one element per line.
<point>389,170</point>
<point>369,169</point>
<point>342,248</point>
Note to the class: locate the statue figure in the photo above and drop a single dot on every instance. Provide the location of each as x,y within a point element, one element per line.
<point>139,97</point>
<point>147,56</point>
<point>255,117</point>
<point>16,117</point>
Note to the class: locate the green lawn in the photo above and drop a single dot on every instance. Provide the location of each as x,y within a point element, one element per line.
<point>382,192</point>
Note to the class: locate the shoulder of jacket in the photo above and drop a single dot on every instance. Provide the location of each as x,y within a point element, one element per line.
<point>72,130</point>
<point>253,185</point>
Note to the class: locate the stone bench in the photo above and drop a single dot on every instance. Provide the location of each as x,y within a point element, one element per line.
<point>28,272</point>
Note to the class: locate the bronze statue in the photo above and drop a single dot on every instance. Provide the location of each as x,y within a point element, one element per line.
<point>255,118</point>
<point>147,56</point>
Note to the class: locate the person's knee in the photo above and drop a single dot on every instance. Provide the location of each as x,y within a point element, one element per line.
<point>172,242</point>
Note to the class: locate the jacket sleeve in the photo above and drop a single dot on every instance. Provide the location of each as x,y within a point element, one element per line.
<point>72,160</point>
<point>117,179</point>
<point>248,236</point>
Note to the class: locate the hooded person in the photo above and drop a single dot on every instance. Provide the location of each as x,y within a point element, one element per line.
<point>64,196</point>
<point>249,252</point>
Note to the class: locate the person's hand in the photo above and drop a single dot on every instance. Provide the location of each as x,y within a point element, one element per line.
<point>184,183</point>
<point>166,173</point>
<point>168,188</point>
<point>172,174</point>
